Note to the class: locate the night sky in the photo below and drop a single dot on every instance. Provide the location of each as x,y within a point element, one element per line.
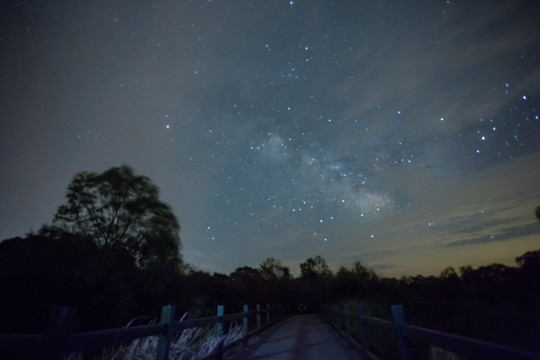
<point>403,134</point>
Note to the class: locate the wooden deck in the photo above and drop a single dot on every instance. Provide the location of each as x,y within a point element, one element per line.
<point>300,337</point>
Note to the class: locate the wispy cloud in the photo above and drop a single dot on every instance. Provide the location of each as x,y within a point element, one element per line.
<point>437,69</point>
<point>455,222</point>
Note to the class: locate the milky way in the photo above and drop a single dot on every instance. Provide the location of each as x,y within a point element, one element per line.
<point>404,136</point>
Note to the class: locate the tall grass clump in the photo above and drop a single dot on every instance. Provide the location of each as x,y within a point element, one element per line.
<point>189,344</point>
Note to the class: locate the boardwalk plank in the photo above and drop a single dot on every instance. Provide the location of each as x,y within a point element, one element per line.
<point>303,337</point>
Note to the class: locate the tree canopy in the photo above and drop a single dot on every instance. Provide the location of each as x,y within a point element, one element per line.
<point>272,269</point>
<point>120,210</point>
<point>315,267</point>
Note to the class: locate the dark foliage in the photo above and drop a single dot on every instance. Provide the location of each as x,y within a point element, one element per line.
<point>496,302</point>
<point>44,271</point>
<point>112,281</point>
<point>118,209</point>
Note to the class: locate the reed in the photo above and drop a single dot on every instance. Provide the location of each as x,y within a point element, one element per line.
<point>189,344</point>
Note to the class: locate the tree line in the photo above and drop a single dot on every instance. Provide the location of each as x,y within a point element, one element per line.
<point>113,252</point>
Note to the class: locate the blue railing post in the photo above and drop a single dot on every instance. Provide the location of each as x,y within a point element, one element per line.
<point>399,320</point>
<point>219,324</point>
<point>258,308</point>
<point>164,341</point>
<point>363,332</point>
<point>329,314</point>
<point>245,321</point>
<point>347,320</point>
<point>338,320</point>
<point>267,313</point>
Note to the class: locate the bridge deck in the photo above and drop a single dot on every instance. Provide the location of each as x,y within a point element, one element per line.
<point>301,337</point>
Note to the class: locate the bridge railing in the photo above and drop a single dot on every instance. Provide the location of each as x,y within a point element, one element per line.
<point>406,336</point>
<point>59,340</point>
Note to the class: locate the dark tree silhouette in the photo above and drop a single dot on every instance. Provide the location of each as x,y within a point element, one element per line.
<point>120,210</point>
<point>55,268</point>
<point>357,281</point>
<point>271,269</point>
<point>314,285</point>
<point>531,259</point>
<point>250,284</point>
<point>315,268</point>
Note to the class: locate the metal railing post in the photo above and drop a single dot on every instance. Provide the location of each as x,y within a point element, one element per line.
<point>347,319</point>
<point>338,320</point>
<point>363,332</point>
<point>399,320</point>
<point>267,313</point>
<point>219,324</point>
<point>164,341</point>
<point>258,308</point>
<point>245,321</point>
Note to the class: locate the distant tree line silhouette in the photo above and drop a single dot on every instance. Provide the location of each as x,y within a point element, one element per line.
<point>495,302</point>
<point>112,284</point>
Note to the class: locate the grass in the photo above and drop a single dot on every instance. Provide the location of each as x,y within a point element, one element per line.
<point>189,344</point>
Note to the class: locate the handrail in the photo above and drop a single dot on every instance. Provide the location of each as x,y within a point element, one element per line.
<point>384,324</point>
<point>405,333</point>
<point>103,338</point>
<point>463,345</point>
<point>58,341</point>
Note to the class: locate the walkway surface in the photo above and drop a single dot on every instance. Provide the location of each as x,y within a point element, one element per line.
<point>302,337</point>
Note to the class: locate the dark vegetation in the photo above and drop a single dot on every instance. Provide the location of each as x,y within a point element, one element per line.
<point>134,267</point>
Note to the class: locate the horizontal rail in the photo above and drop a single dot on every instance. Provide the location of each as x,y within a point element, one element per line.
<point>384,324</point>
<point>381,323</point>
<point>476,349</point>
<point>232,317</point>
<point>363,344</point>
<point>36,344</point>
<point>197,322</point>
<point>463,345</point>
<point>103,338</point>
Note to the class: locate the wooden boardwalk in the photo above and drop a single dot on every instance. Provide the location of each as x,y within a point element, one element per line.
<point>300,337</point>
